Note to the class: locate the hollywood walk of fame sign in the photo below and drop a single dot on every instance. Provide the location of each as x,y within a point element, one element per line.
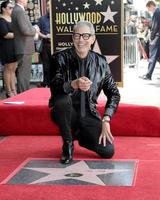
<point>79,172</point>
<point>105,15</point>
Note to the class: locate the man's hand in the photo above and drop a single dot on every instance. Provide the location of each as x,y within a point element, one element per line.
<point>106,134</point>
<point>36,28</point>
<point>74,84</point>
<point>48,36</point>
<point>84,83</point>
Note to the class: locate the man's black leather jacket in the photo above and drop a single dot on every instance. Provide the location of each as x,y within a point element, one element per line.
<point>66,65</point>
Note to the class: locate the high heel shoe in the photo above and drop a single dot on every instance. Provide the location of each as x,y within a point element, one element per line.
<point>14,92</point>
<point>67,152</point>
<point>9,94</point>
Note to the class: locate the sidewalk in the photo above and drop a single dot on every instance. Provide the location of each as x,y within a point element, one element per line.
<point>138,91</point>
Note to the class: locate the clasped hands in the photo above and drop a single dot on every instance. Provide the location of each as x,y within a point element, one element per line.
<point>82,83</point>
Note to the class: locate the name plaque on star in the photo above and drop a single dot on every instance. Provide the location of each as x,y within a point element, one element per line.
<point>105,15</point>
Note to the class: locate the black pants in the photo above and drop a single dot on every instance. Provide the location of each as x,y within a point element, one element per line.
<point>86,130</point>
<point>46,57</point>
<point>154,54</point>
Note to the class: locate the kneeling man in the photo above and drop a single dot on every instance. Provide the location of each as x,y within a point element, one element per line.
<point>80,75</point>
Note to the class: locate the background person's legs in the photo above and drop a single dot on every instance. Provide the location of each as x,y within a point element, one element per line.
<point>154,52</point>
<point>23,72</point>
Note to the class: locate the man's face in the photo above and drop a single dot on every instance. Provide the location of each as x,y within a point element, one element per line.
<point>82,43</point>
<point>23,2</point>
<point>151,9</point>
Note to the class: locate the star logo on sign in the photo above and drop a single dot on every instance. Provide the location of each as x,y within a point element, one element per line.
<point>108,15</point>
<point>78,171</point>
<point>86,5</point>
<point>109,58</point>
<point>98,2</point>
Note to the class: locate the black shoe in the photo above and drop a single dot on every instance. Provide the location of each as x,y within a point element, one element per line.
<point>9,94</point>
<point>131,66</point>
<point>67,152</point>
<point>42,85</point>
<point>145,77</point>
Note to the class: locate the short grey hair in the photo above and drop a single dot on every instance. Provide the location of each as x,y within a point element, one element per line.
<point>84,23</point>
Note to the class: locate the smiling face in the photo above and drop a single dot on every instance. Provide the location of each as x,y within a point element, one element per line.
<point>82,40</point>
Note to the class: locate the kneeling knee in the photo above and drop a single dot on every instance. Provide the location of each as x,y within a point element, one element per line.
<point>105,152</point>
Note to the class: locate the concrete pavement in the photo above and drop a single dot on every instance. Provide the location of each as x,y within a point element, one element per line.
<point>139,91</point>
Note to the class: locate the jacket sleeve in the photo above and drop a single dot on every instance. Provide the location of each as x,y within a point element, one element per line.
<point>155,28</point>
<point>111,91</point>
<point>60,82</point>
<point>57,77</point>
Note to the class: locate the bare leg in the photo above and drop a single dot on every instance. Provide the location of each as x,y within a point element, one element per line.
<point>13,78</point>
<point>9,78</point>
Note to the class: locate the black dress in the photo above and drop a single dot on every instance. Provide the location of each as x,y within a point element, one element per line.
<point>7,49</point>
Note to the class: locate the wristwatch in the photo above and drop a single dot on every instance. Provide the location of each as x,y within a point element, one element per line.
<point>106,119</point>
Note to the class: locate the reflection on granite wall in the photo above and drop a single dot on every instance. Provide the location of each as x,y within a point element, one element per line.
<point>34,10</point>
